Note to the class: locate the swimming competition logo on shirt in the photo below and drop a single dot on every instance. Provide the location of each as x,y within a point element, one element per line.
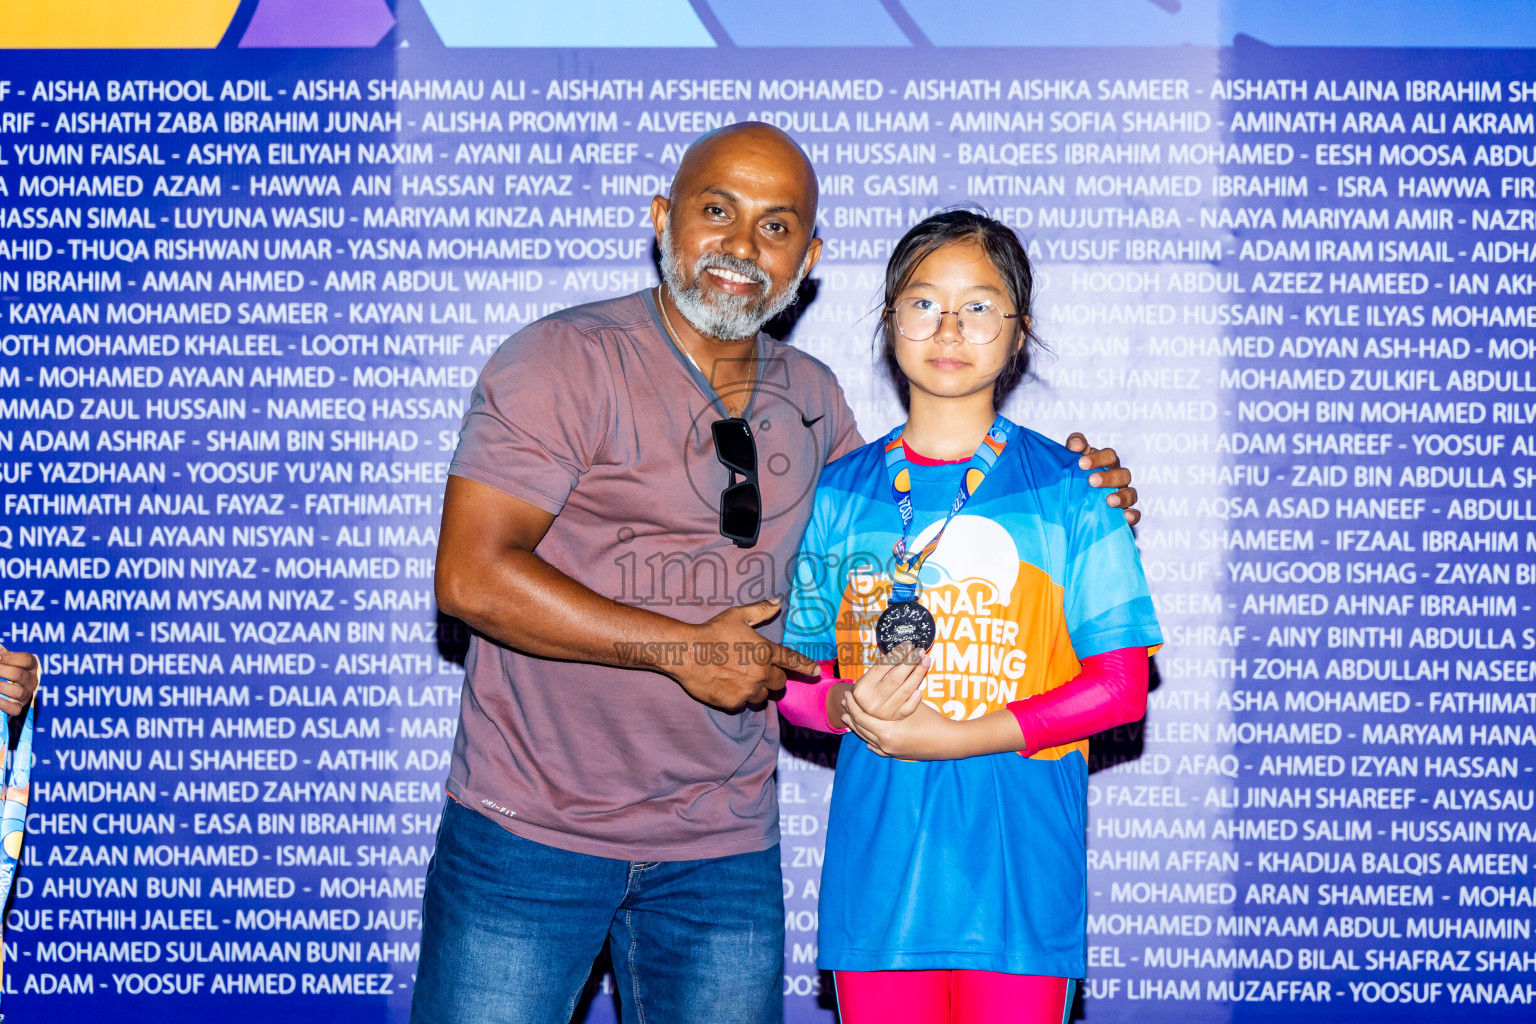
<point>1000,631</point>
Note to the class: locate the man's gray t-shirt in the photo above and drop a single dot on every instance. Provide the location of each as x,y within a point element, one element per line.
<point>593,414</point>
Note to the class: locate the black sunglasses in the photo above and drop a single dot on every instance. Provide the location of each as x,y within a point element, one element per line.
<point>741,506</point>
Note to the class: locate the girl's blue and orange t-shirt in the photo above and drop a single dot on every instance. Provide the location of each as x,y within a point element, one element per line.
<point>978,863</point>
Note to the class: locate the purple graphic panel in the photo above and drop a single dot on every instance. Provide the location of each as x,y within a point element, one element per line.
<point>318,23</point>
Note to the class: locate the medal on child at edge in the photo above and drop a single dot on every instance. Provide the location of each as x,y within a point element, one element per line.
<point>904,620</point>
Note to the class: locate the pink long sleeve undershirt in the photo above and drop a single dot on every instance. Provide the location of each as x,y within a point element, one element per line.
<point>805,704</point>
<point>1111,690</point>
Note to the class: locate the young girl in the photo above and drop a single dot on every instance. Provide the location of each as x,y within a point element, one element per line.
<point>1016,621</point>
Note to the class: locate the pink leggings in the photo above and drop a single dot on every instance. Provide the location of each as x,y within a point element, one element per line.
<point>951,997</point>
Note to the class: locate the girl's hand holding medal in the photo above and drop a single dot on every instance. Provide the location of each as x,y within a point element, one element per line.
<point>885,709</point>
<point>924,735</point>
<point>892,688</point>
<point>886,698</point>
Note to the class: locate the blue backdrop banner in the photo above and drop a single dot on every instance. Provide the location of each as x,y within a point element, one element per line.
<point>253,256</point>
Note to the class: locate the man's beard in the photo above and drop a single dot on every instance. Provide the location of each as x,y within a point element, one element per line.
<point>728,317</point>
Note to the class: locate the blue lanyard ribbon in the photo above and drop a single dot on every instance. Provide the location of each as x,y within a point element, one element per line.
<point>904,572</point>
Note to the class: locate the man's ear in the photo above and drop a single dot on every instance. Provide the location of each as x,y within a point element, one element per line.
<point>661,208</point>
<point>812,255</point>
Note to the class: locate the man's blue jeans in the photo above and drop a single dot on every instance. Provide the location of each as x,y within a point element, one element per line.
<point>510,929</point>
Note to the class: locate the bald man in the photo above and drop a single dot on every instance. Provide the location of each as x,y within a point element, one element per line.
<point>630,486</point>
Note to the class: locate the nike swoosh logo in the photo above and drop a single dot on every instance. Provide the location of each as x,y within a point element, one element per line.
<point>812,423</point>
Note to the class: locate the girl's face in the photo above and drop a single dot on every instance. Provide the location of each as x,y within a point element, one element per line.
<point>958,276</point>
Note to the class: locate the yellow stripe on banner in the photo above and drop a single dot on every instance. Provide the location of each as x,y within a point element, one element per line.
<point>114,24</point>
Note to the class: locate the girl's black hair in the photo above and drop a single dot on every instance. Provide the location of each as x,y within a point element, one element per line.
<point>1008,258</point>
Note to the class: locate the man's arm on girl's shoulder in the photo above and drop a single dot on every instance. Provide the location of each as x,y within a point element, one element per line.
<point>1107,472</point>
<point>19,676</point>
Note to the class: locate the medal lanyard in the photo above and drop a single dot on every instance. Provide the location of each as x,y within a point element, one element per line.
<point>908,565</point>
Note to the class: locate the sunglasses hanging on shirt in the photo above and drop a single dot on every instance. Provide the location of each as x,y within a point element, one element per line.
<point>741,504</point>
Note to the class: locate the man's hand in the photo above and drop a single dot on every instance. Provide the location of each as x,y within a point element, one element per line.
<point>19,675</point>
<point>1110,474</point>
<point>892,688</point>
<point>923,735</point>
<point>729,664</point>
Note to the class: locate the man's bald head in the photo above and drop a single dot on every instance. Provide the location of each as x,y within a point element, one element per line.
<point>737,233</point>
<point>748,144</point>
